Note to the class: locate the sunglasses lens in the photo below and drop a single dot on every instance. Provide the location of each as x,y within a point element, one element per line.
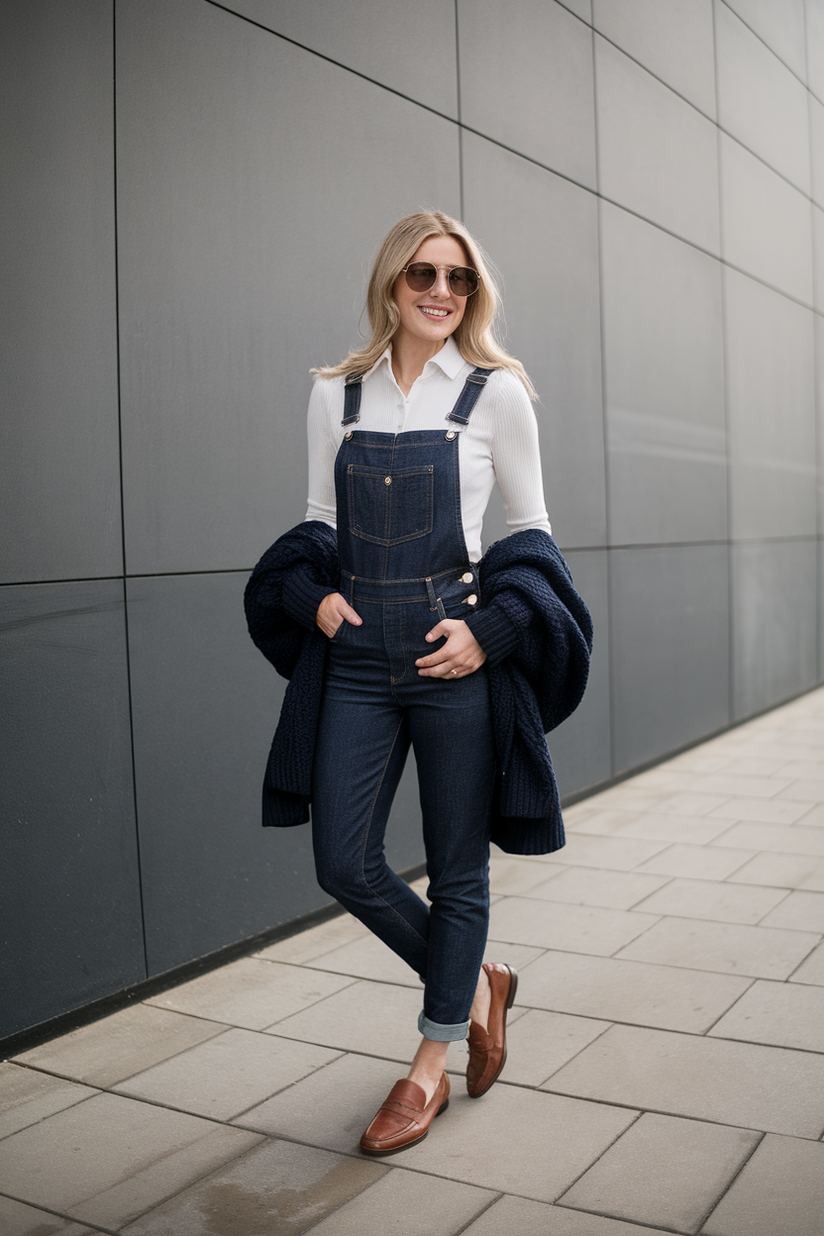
<point>420,276</point>
<point>463,281</point>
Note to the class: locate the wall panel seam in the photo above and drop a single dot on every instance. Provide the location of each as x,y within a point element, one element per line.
<point>530,159</point>
<point>764,42</point>
<point>122,505</point>
<point>604,433</point>
<point>712,119</point>
<point>347,68</point>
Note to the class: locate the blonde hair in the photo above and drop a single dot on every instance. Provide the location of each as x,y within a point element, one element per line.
<point>474,335</point>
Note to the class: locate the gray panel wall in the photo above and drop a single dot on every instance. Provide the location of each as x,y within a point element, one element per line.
<point>179,251</point>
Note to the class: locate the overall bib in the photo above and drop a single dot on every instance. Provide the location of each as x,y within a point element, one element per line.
<point>404,567</point>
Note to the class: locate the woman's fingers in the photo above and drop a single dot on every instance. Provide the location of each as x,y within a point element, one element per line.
<point>459,656</point>
<point>332,611</point>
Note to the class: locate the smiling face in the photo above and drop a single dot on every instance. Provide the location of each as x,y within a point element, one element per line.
<point>431,317</point>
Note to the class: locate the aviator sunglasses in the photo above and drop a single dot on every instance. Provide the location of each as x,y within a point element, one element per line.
<point>421,276</point>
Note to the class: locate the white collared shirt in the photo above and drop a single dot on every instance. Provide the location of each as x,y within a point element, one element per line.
<point>499,443</point>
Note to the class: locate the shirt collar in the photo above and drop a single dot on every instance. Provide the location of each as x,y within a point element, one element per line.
<point>448,360</point>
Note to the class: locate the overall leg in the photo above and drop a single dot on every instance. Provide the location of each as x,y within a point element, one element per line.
<point>451,731</point>
<point>360,754</point>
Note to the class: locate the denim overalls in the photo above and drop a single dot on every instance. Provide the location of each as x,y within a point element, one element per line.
<point>404,567</point>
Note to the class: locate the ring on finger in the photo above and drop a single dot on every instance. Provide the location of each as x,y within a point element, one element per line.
<point>453,672</point>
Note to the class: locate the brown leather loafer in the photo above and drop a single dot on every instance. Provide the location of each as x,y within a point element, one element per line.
<point>487,1048</point>
<point>405,1117</point>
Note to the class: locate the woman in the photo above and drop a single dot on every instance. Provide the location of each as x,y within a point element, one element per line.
<point>406,437</point>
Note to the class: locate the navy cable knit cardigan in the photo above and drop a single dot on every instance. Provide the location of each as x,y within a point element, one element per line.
<point>533,625</point>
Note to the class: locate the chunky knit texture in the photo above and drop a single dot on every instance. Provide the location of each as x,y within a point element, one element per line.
<point>536,632</point>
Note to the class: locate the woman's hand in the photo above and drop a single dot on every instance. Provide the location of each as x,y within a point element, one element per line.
<point>459,656</point>
<point>334,610</point>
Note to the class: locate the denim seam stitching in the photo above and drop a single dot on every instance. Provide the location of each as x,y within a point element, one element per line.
<point>367,831</point>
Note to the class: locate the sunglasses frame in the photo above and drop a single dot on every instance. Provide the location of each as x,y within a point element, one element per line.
<point>449,270</point>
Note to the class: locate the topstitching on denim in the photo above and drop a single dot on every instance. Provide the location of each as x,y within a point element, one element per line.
<point>366,831</point>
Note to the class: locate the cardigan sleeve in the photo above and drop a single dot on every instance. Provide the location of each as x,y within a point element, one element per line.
<point>302,594</point>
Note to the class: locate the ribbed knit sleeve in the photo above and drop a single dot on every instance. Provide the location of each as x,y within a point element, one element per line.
<point>493,630</point>
<point>302,595</point>
<point>516,454</point>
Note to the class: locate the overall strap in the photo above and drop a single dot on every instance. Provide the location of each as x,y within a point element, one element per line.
<point>351,398</point>
<point>469,395</point>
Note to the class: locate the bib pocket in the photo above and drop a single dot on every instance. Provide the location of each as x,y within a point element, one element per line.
<point>389,508</point>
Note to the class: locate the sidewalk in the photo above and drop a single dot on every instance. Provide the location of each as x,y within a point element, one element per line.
<point>666,1054</point>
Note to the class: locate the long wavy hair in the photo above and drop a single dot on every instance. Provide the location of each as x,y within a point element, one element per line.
<point>475,334</point>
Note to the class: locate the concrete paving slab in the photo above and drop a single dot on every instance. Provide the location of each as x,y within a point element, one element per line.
<point>307,945</point>
<point>754,766</point>
<point>514,1141</point>
<point>368,957</point>
<point>798,769</point>
<point>695,862</point>
<point>760,952</point>
<point>525,1218</point>
<point>664,1171</point>
<point>332,1107</point>
<point>690,803</point>
<point>27,1097</point>
<point>811,970</point>
<point>614,853</point>
<point>629,991</point>
<point>780,1190</point>
<point>517,955</point>
<point>413,1204</point>
<point>227,1074</point>
<point>627,797</point>
<point>710,757</point>
<point>787,1014</point>
<point>660,826</point>
<point>510,1142</point>
<point>732,786</point>
<point>768,1088</point>
<point>715,900</point>
<point>590,886</point>
<point>573,928</point>
<point>601,823</point>
<point>251,993</point>
<point>815,816</point>
<point>774,838</point>
<point>516,875</point>
<point>806,789</point>
<point>539,1043</point>
<point>109,1050</point>
<point>765,811</point>
<point>801,911</point>
<point>572,817</point>
<point>18,1219</point>
<point>276,1188</point>
<point>665,777</point>
<point>125,1156</point>
<point>781,871</point>
<point>379,1019</point>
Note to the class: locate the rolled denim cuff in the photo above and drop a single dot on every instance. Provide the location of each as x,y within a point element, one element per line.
<point>442,1034</point>
<point>494,631</point>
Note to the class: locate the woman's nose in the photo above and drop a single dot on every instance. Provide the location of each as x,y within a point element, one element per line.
<point>441,285</point>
